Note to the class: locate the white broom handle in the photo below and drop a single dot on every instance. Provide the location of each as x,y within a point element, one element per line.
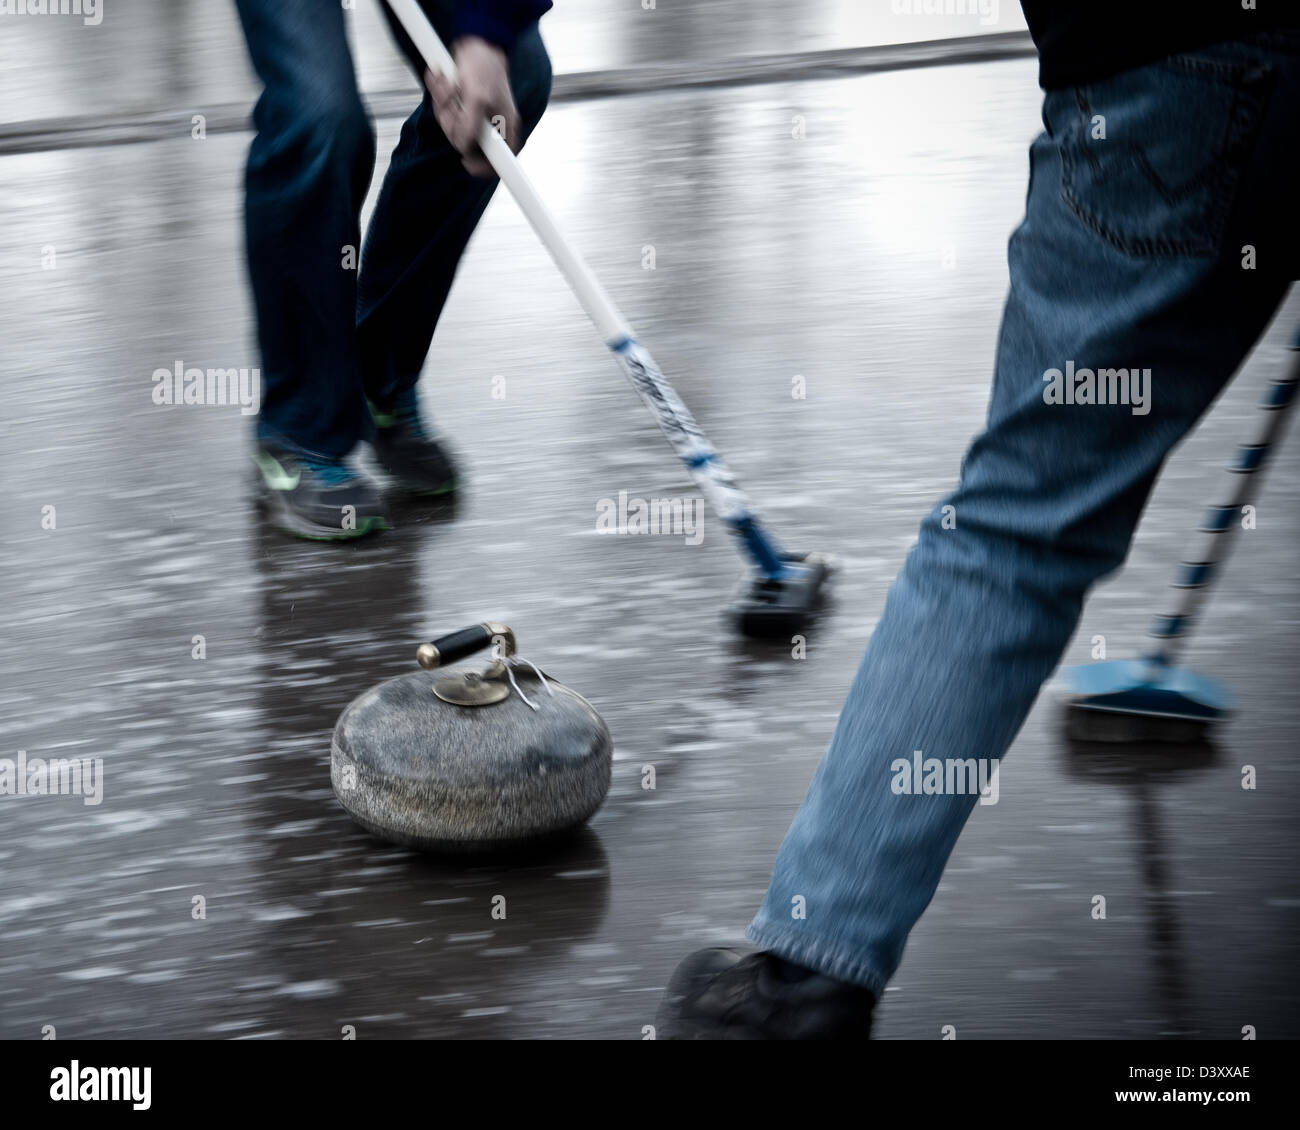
<point>600,308</point>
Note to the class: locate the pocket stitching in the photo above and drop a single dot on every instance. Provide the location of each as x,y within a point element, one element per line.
<point>1250,83</point>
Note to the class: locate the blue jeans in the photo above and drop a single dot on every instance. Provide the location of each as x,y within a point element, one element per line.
<point>1130,255</point>
<point>330,340</point>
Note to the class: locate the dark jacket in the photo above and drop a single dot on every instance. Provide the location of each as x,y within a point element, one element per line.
<point>1080,43</point>
<point>497,21</point>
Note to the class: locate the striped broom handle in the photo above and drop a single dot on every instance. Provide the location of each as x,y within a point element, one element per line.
<point>1200,568</point>
<point>703,463</point>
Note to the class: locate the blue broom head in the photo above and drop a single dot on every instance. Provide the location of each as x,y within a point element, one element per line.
<point>1148,688</point>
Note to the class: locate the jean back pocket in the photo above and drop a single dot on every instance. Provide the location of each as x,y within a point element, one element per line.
<point>1150,158</point>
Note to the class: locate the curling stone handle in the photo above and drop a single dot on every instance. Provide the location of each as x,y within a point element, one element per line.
<point>455,646</point>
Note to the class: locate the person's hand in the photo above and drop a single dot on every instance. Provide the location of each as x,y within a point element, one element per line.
<point>482,90</point>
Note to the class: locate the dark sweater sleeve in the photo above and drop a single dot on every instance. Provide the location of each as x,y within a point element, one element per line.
<point>497,21</point>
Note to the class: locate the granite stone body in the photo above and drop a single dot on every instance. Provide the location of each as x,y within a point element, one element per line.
<point>419,771</point>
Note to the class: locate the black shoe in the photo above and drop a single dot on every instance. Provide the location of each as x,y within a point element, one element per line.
<point>721,994</point>
<point>408,452</point>
<point>323,499</point>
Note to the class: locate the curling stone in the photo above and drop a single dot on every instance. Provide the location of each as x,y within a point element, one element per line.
<point>470,760</point>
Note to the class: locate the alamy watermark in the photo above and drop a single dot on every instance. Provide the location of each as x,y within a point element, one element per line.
<point>76,1083</point>
<point>1103,386</point>
<point>60,776</point>
<point>673,517</point>
<point>90,11</point>
<point>986,10</point>
<point>210,387</point>
<point>953,776</point>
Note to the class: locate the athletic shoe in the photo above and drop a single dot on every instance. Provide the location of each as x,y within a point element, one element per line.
<point>322,499</point>
<point>721,994</point>
<point>406,450</point>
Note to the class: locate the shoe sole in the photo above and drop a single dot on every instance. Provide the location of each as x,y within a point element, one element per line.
<point>426,492</point>
<point>287,521</point>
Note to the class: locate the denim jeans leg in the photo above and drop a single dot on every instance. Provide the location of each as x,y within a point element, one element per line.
<point>1109,268</point>
<point>428,208</point>
<point>308,171</point>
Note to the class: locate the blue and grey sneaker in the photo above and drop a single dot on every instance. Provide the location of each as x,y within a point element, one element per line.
<point>407,451</point>
<point>311,497</point>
